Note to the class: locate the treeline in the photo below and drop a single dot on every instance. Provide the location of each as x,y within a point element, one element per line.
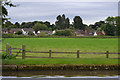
<point>111,26</point>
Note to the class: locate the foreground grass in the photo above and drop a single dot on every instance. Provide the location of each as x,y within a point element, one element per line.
<point>41,61</point>
<point>64,44</point>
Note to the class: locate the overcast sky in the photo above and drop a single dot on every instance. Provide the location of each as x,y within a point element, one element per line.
<point>65,0</point>
<point>90,12</point>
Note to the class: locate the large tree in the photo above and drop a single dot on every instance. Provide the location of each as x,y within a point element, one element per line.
<point>7,24</point>
<point>62,22</point>
<point>39,26</point>
<point>109,29</point>
<point>111,20</point>
<point>118,25</point>
<point>4,10</point>
<point>17,24</point>
<point>98,25</point>
<point>78,24</point>
<point>114,21</point>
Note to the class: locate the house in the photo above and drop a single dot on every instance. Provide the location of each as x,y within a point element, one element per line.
<point>14,30</point>
<point>103,32</point>
<point>5,31</point>
<point>95,34</point>
<point>100,33</point>
<point>25,31</point>
<point>80,33</point>
<point>90,33</point>
<point>86,33</point>
<point>53,32</point>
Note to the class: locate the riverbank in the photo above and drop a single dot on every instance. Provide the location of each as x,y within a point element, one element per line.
<point>60,67</point>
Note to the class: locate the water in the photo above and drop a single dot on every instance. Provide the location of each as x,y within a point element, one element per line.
<point>62,74</point>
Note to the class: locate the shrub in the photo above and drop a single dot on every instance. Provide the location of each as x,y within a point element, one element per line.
<point>18,32</point>
<point>42,34</point>
<point>66,32</point>
<point>30,33</point>
<point>7,35</point>
<point>4,56</point>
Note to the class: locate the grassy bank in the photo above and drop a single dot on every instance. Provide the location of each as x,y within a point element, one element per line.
<point>29,61</point>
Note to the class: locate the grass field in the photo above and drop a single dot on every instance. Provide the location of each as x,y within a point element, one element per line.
<point>65,44</point>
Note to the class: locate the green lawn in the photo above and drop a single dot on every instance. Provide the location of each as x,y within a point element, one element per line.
<point>65,44</point>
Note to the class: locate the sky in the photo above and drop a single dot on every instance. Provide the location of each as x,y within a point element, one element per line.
<point>65,0</point>
<point>90,12</point>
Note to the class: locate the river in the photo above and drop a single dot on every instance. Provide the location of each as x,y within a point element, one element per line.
<point>60,75</point>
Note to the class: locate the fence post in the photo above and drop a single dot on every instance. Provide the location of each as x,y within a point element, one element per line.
<point>107,54</point>
<point>77,53</point>
<point>50,51</point>
<point>7,49</point>
<point>23,52</point>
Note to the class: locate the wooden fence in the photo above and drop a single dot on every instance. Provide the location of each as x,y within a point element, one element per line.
<point>23,51</point>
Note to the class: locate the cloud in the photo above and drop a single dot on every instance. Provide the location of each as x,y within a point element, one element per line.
<point>48,11</point>
<point>65,0</point>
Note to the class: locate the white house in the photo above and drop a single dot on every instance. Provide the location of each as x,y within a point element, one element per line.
<point>95,34</point>
<point>53,32</point>
<point>25,31</point>
<point>38,32</point>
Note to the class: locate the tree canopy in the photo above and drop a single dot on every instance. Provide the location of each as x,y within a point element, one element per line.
<point>4,10</point>
<point>78,24</point>
<point>62,22</point>
<point>39,26</point>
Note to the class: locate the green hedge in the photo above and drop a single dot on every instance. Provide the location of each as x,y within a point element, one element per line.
<point>53,36</point>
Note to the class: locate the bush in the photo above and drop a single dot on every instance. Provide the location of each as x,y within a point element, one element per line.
<point>30,33</point>
<point>42,34</point>
<point>66,32</point>
<point>4,56</point>
<point>12,36</point>
<point>7,35</point>
<point>18,32</point>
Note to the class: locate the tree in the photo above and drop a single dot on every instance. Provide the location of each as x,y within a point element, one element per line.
<point>47,24</point>
<point>98,25</point>
<point>17,24</point>
<point>43,27</point>
<point>7,24</point>
<point>4,10</point>
<point>52,27</point>
<point>67,23</point>
<point>78,24</point>
<point>18,32</point>
<point>118,25</point>
<point>30,33</point>
<point>109,29</point>
<point>114,21</point>
<point>110,20</point>
<point>62,22</point>
<point>38,26</point>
